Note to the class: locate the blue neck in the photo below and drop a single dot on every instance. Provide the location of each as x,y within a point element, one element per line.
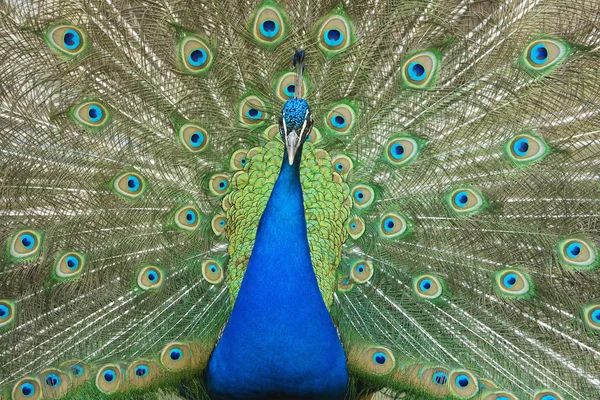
<point>279,341</point>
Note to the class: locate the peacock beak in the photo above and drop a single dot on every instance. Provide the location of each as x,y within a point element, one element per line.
<point>292,142</point>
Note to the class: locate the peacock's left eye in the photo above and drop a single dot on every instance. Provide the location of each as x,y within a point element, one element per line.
<point>361,271</point>
<point>187,218</point>
<point>7,312</point>
<point>130,185</point>
<point>512,282</point>
<point>427,287</point>
<point>340,119</point>
<point>401,150</point>
<point>419,71</point>
<point>193,137</point>
<point>25,244</point>
<point>149,278</point>
<point>212,271</point>
<point>577,253</point>
<point>547,394</point>
<point>464,201</point>
<point>269,26</point>
<point>334,34</point>
<point>342,164</point>
<point>592,316</point>
<point>540,55</point>
<point>463,383</point>
<point>393,225</point>
<point>523,149</point>
<point>91,114</point>
<point>251,111</point>
<point>27,389</point>
<point>356,227</point>
<point>219,223</point>
<point>69,265</point>
<point>219,184</point>
<point>196,57</point>
<point>66,39</point>
<point>108,378</point>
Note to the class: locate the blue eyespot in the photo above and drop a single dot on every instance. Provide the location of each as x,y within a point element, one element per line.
<point>521,147</point>
<point>71,39</point>
<point>214,269</point>
<point>27,241</point>
<point>222,222</point>
<point>333,37</point>
<point>72,262</point>
<point>338,121</point>
<point>175,354</point>
<point>253,113</point>
<point>510,280</point>
<point>425,285</point>
<point>462,381</point>
<point>339,167</point>
<point>596,316</point>
<point>4,311</point>
<point>548,397</point>
<point>197,58</point>
<point>109,375</point>
<point>133,183</point>
<point>269,28</point>
<point>52,380</point>
<point>416,71</point>
<point>573,250</point>
<point>290,90</point>
<point>95,113</point>
<point>397,151</point>
<point>152,276</point>
<point>27,389</point>
<point>359,195</point>
<point>353,225</point>
<point>380,358</point>
<point>197,139</point>
<point>539,53</point>
<point>440,378</point>
<point>76,370</point>
<point>388,224</point>
<point>141,370</point>
<point>346,282</point>
<point>461,199</point>
<point>223,184</point>
<point>360,268</point>
<point>502,398</point>
<point>190,216</point>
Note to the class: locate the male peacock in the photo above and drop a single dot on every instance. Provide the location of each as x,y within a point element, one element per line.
<point>174,224</point>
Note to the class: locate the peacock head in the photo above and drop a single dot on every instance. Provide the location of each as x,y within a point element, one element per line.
<point>295,124</point>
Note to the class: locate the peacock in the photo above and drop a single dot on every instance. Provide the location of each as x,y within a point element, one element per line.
<point>300,199</point>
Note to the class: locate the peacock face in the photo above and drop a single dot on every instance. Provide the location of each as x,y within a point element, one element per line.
<point>295,124</point>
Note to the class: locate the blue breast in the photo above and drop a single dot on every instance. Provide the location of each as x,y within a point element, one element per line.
<point>280,341</point>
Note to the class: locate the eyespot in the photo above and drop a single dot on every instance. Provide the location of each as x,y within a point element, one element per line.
<point>342,164</point>
<point>340,119</point>
<point>377,361</point>
<point>187,218</point>
<point>142,373</point>
<point>268,27</point>
<point>219,223</point>
<point>25,244</point>
<point>77,370</point>
<point>401,151</point>
<point>543,54</point>
<point>285,87</point>
<point>393,225</point>
<point>66,39</point>
<point>420,70</point>
<point>344,284</point>
<point>55,383</point>
<point>150,278</point>
<point>212,271</point>
<point>91,114</point>
<point>176,356</point>
<point>272,133</point>
<point>362,196</point>
<point>7,313</point>
<point>524,149</point>
<point>252,111</point>
<point>463,384</point>
<point>27,389</point>
<point>547,394</point>
<point>193,138</point>
<point>69,265</point>
<point>435,381</point>
<point>577,253</point>
<point>129,185</point>
<point>355,227</point>
<point>512,283</point>
<point>335,35</point>
<point>361,271</point>
<point>219,184</point>
<point>591,316</point>
<point>502,395</point>
<point>465,201</point>
<point>196,57</point>
<point>314,136</point>
<point>238,160</point>
<point>108,378</point>
<point>427,287</point>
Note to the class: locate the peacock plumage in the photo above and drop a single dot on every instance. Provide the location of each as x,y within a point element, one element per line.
<point>300,199</point>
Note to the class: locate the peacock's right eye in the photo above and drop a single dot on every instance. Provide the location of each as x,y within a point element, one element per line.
<point>66,39</point>
<point>193,137</point>
<point>196,57</point>
<point>91,114</point>
<point>420,70</point>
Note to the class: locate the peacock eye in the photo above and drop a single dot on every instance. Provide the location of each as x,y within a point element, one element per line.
<point>251,111</point>
<point>419,71</point>
<point>524,149</point>
<point>393,225</point>
<point>193,137</point>
<point>129,185</point>
<point>76,370</point>
<point>361,271</point>
<point>269,26</point>
<point>176,356</point>
<point>501,395</point>
<point>69,265</point>
<point>541,55</point>
<point>465,201</point>
<point>108,378</point>
<point>219,223</point>
<point>27,388</point>
<point>340,119</point>
<point>25,244</point>
<point>219,184</point>
<point>427,286</point>
<point>7,312</point>
<point>334,34</point>
<point>238,160</point>
<point>66,39</point>
<point>187,218</point>
<point>592,316</point>
<point>150,278</point>
<point>342,164</point>
<point>512,283</point>
<point>363,196</point>
<point>577,253</point>
<point>212,271</point>
<point>356,227</point>
<point>463,383</point>
<point>401,150</point>
<point>196,57</point>
<point>377,360</point>
<point>547,395</point>
<point>54,380</point>
<point>285,87</point>
<point>91,114</point>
